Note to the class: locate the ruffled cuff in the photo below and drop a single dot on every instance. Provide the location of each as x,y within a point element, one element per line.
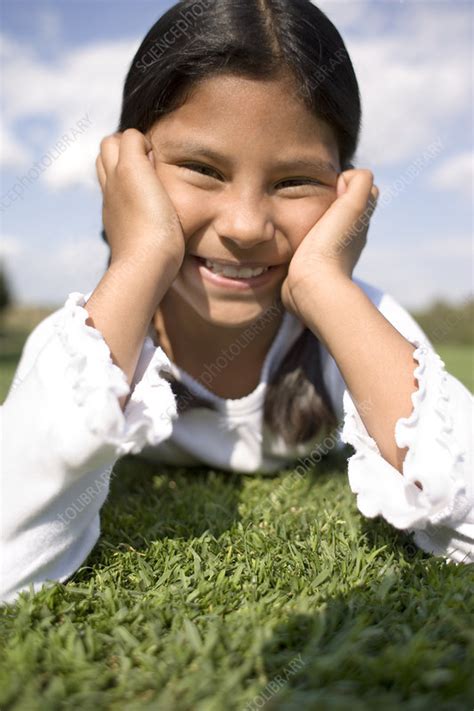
<point>435,459</point>
<point>97,384</point>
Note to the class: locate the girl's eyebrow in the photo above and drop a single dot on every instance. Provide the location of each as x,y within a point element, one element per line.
<point>192,147</point>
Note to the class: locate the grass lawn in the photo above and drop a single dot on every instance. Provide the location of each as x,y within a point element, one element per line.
<point>459,361</point>
<point>211,591</point>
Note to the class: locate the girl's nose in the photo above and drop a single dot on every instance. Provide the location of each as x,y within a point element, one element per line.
<point>246,223</point>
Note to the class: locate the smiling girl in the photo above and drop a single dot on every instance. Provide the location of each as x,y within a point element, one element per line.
<point>228,329</point>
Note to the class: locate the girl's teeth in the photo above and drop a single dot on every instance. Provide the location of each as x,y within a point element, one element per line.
<point>242,273</point>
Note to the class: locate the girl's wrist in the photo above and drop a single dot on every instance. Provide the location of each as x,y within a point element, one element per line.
<point>147,274</point>
<point>317,288</point>
<point>147,264</point>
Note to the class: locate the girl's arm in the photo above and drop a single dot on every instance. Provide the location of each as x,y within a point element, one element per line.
<point>412,466</point>
<point>374,359</point>
<point>62,430</point>
<point>146,242</point>
<point>62,424</point>
<point>122,307</point>
<point>409,421</point>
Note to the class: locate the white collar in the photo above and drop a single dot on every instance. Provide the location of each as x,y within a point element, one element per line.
<point>290,328</point>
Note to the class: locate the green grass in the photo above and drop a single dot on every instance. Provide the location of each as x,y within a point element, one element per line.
<point>459,361</point>
<point>213,591</point>
<point>14,329</point>
<point>10,352</point>
<point>203,590</point>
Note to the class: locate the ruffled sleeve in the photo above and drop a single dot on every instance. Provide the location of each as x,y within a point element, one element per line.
<point>433,499</point>
<point>62,431</point>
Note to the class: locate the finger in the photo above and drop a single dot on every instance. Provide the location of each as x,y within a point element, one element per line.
<point>359,182</point>
<point>341,185</point>
<point>134,145</point>
<point>100,172</point>
<point>364,199</point>
<point>344,212</point>
<point>372,202</point>
<point>109,151</point>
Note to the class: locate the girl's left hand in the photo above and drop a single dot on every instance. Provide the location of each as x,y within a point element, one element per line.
<point>334,244</point>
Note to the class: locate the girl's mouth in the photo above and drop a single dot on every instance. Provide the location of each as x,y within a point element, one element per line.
<point>213,274</point>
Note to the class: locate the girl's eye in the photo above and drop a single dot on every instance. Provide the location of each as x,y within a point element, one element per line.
<point>300,181</point>
<point>195,167</point>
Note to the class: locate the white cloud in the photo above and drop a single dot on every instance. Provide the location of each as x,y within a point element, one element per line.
<point>455,174</point>
<point>10,247</point>
<point>413,72</point>
<point>402,106</point>
<point>86,81</point>
<point>13,153</point>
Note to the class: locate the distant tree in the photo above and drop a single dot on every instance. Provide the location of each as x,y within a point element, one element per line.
<point>5,290</point>
<point>445,322</point>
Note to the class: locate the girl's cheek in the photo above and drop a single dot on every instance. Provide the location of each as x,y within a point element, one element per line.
<point>302,219</point>
<point>181,195</point>
<point>193,214</point>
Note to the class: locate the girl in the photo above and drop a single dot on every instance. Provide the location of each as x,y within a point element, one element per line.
<point>228,329</point>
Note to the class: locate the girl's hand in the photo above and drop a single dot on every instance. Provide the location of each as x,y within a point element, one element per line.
<point>333,246</point>
<point>139,218</point>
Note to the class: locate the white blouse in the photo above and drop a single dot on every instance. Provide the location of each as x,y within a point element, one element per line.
<point>63,430</point>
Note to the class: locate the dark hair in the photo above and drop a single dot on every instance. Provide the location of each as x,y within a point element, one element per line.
<point>256,39</point>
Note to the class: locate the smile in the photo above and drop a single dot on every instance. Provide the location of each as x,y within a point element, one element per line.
<point>233,276</point>
<point>237,271</point>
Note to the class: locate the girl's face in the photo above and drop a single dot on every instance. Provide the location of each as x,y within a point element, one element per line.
<point>251,200</point>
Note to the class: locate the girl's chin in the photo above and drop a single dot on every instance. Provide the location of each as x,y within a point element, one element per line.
<point>225,306</point>
<point>227,317</point>
<point>229,313</point>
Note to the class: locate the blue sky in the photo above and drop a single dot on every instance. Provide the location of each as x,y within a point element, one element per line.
<point>63,68</point>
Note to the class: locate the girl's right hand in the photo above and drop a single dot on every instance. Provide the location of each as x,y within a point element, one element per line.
<point>139,218</point>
